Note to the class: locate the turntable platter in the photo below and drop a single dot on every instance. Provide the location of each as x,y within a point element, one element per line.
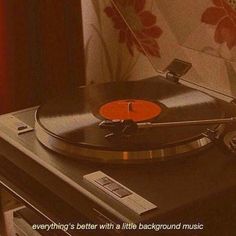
<point>69,124</point>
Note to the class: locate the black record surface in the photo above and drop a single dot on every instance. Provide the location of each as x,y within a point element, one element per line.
<point>74,118</point>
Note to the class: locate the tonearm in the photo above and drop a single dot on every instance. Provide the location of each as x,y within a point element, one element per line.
<point>128,127</point>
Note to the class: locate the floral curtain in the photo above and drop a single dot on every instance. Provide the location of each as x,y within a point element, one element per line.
<point>201,32</point>
<point>112,53</point>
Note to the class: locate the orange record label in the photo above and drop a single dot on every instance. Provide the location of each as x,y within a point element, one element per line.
<point>130,109</point>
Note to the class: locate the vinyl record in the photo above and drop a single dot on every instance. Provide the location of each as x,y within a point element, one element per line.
<point>69,124</point>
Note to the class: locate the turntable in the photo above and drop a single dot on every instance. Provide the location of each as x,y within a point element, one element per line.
<point>68,146</point>
<point>168,120</point>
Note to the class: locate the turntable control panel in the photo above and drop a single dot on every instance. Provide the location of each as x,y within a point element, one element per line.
<point>16,125</point>
<point>121,193</point>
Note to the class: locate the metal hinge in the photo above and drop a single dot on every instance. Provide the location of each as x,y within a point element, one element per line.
<point>233,101</point>
<point>176,69</point>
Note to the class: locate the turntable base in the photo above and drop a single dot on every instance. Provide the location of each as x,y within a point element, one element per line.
<point>203,186</point>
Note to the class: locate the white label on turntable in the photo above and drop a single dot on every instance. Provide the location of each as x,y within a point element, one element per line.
<point>16,125</point>
<point>121,193</point>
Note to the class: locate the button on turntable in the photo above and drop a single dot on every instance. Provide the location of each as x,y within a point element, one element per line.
<point>16,125</point>
<point>112,186</point>
<point>103,181</point>
<point>121,192</point>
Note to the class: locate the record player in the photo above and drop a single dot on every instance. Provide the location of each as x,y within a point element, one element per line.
<point>152,119</point>
<point>158,150</point>
<point>135,121</point>
<point>172,182</point>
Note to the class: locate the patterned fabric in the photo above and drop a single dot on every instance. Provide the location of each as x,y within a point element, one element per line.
<point>142,22</point>
<point>223,16</point>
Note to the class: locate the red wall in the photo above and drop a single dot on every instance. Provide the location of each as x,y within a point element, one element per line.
<point>5,91</point>
<point>41,51</point>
